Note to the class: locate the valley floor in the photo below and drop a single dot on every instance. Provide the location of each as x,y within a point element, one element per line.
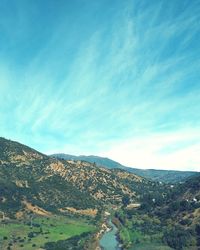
<point>21,235</point>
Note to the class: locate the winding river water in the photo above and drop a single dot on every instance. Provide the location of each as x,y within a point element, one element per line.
<point>109,240</point>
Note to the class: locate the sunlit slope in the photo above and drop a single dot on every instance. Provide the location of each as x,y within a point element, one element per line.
<point>167,176</point>
<point>29,177</point>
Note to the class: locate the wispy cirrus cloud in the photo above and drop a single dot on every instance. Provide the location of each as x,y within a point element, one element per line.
<point>124,71</point>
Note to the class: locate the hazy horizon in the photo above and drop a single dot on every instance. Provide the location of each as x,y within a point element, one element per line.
<point>118,79</point>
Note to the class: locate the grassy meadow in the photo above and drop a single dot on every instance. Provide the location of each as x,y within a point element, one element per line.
<point>19,235</point>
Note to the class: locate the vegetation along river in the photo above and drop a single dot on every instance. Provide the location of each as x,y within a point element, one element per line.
<point>109,239</point>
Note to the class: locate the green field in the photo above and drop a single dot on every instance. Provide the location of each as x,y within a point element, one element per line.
<point>21,236</point>
<point>134,239</point>
<point>150,246</point>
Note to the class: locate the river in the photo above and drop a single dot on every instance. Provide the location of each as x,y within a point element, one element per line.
<point>109,239</point>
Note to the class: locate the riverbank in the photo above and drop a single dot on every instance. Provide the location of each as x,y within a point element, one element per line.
<point>107,235</point>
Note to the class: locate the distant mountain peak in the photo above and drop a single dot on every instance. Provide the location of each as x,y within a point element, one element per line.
<point>168,176</point>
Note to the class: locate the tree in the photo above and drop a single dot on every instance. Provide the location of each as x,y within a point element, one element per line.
<point>177,238</point>
<point>125,200</point>
<point>197,229</point>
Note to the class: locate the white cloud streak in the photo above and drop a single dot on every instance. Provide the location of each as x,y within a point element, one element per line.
<point>178,150</point>
<point>126,80</point>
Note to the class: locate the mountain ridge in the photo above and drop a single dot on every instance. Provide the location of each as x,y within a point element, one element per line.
<point>168,176</point>
<point>35,185</point>
<point>54,184</point>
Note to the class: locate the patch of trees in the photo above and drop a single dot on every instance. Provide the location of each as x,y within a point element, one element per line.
<point>125,200</point>
<point>178,237</point>
<point>73,243</point>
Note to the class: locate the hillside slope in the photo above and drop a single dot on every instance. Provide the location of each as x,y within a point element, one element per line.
<point>100,161</point>
<point>31,182</point>
<point>167,176</point>
<point>164,219</point>
<point>29,177</point>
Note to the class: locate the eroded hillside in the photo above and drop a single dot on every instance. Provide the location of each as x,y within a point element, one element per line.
<point>27,176</point>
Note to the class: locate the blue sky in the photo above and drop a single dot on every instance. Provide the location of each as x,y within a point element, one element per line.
<point>111,78</point>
